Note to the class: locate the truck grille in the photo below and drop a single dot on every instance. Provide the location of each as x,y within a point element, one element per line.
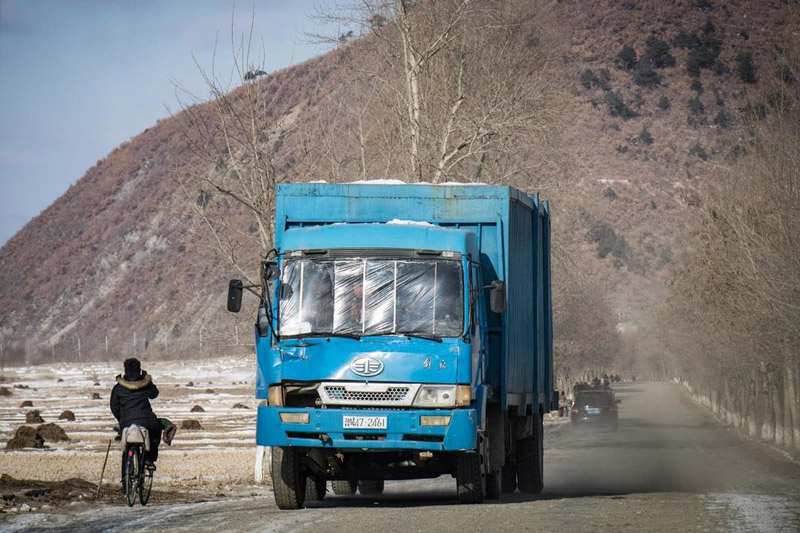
<point>391,394</point>
<point>368,394</point>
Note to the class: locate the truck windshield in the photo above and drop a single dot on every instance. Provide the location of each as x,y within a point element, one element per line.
<point>371,297</point>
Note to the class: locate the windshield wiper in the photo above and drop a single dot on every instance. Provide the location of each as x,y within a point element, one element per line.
<point>316,335</point>
<point>434,338</point>
<point>345,335</point>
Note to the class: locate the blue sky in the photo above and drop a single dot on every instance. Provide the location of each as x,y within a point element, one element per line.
<point>79,77</point>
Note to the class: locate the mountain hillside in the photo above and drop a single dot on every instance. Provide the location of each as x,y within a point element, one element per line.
<point>652,95</point>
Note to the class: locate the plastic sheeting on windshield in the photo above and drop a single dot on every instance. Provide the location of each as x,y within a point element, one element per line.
<point>371,297</point>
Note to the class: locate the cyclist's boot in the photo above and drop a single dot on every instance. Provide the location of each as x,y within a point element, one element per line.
<point>150,466</point>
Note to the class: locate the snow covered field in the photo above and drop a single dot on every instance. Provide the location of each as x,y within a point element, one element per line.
<point>223,451</point>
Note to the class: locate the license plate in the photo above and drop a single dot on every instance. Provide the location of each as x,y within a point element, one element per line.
<point>364,422</point>
<point>593,411</point>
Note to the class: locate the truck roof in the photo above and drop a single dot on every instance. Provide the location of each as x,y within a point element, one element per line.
<point>385,236</point>
<point>398,189</point>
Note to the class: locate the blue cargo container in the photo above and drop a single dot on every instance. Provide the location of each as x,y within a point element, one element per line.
<point>405,331</point>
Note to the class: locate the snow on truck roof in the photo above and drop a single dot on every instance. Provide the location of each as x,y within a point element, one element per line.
<point>401,182</point>
<point>398,222</point>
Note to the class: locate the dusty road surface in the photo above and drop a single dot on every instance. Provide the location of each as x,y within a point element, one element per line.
<point>668,468</point>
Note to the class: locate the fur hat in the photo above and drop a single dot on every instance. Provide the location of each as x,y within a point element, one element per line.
<point>133,369</point>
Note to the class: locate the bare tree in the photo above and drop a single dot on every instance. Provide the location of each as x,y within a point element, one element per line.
<point>733,317</point>
<point>238,131</point>
<point>449,83</point>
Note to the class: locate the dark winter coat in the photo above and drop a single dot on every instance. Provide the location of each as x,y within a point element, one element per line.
<point>130,401</point>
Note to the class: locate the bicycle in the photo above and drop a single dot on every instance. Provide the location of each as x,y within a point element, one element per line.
<point>138,478</point>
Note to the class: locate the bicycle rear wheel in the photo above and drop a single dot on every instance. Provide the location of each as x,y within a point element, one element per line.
<point>145,485</point>
<point>131,474</point>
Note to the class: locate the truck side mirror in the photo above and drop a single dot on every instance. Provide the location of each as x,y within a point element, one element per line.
<point>262,324</point>
<point>235,295</point>
<point>271,270</point>
<point>497,297</point>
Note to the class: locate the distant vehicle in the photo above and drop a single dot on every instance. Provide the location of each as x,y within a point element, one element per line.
<point>595,406</point>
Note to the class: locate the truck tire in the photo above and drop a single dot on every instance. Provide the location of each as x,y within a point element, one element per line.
<point>288,484</point>
<point>315,488</point>
<point>370,488</point>
<point>344,487</point>
<point>530,455</point>
<point>493,485</point>
<point>509,478</point>
<point>470,481</point>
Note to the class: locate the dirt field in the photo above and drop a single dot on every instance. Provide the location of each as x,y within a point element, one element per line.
<point>200,464</point>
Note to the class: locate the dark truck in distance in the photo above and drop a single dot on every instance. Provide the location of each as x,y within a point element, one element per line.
<point>595,407</point>
<point>404,332</point>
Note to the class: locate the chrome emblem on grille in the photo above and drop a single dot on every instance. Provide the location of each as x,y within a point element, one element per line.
<point>367,366</point>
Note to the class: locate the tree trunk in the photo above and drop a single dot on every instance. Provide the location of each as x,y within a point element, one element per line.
<point>790,395</point>
<point>768,415</point>
<point>776,409</point>
<point>752,422</point>
<point>412,67</point>
<point>714,397</point>
<point>727,410</point>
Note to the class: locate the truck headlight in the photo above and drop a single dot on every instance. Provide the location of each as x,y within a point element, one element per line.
<point>294,418</point>
<point>430,420</point>
<point>436,396</point>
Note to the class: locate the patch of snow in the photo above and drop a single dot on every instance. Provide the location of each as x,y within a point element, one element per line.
<point>398,222</point>
<point>378,182</point>
<point>758,512</point>
<point>401,182</point>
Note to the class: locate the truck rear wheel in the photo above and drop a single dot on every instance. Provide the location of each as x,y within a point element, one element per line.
<point>509,478</point>
<point>530,463</point>
<point>288,485</point>
<point>344,487</point>
<point>493,485</point>
<point>470,480</point>
<point>315,488</point>
<point>370,488</point>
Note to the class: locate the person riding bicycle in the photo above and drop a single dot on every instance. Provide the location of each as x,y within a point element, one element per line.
<point>130,404</point>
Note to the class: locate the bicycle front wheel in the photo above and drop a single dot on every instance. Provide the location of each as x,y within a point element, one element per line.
<point>131,474</point>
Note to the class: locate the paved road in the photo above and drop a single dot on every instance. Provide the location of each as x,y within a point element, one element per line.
<point>668,468</point>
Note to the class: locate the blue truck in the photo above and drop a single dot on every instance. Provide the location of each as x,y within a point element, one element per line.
<point>404,331</point>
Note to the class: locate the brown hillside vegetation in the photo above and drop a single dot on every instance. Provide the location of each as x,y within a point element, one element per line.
<point>622,141</point>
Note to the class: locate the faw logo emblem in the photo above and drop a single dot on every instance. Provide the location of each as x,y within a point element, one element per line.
<point>367,366</point>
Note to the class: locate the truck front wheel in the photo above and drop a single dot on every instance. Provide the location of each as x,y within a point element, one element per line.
<point>315,488</point>
<point>288,484</point>
<point>509,478</point>
<point>470,478</point>
<point>530,455</point>
<point>370,488</point>
<point>344,487</point>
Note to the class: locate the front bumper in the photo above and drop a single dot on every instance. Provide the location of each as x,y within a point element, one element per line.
<point>403,432</point>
